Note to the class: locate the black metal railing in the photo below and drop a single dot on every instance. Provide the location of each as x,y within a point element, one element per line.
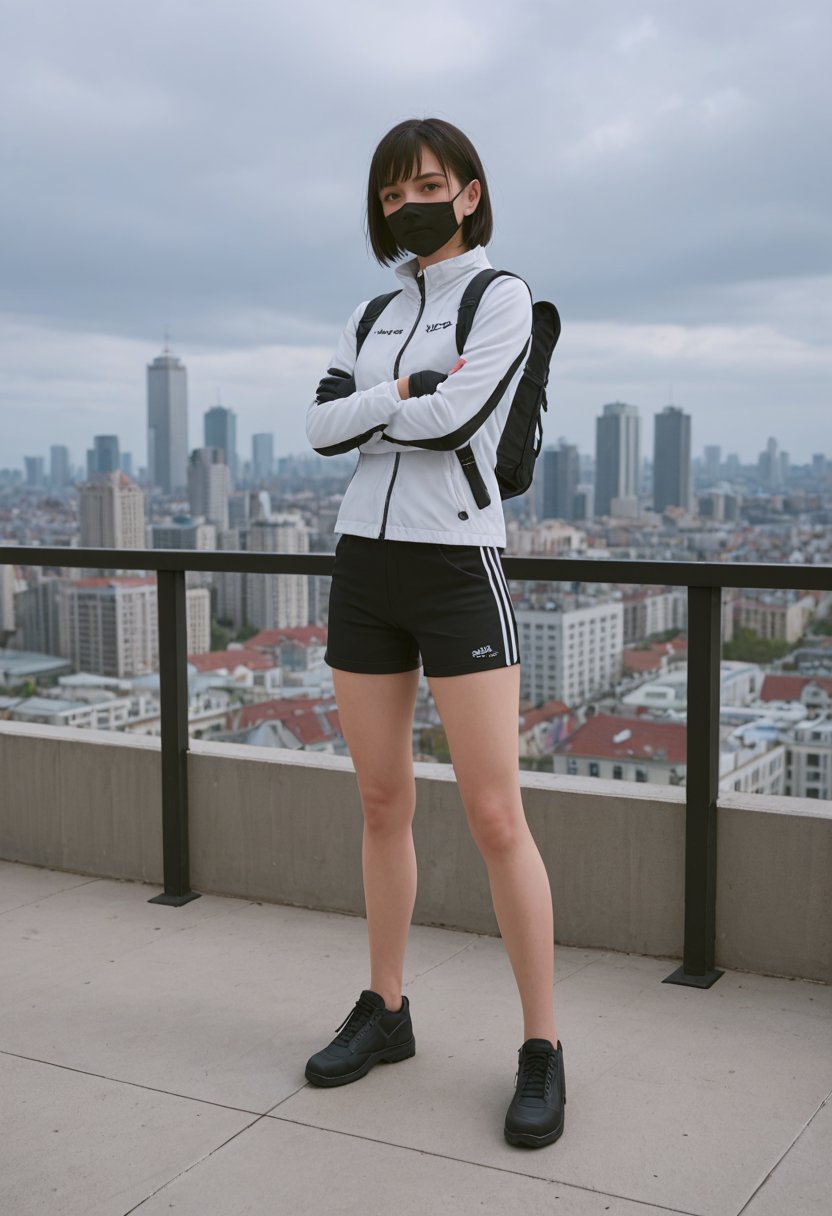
<point>704,581</point>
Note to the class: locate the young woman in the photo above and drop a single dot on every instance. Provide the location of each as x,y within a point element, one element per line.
<point>418,574</point>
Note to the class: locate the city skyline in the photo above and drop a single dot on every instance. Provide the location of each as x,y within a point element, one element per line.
<point>675,212</point>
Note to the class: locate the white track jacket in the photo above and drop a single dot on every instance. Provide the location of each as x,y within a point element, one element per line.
<point>409,483</point>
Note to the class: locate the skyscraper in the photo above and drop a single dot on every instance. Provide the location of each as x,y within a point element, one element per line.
<point>209,486</point>
<point>221,432</point>
<point>106,458</point>
<point>112,513</point>
<point>59,471</point>
<point>167,423</point>
<point>617,456</point>
<point>262,455</point>
<point>671,459</point>
<point>561,474</point>
<point>713,463</point>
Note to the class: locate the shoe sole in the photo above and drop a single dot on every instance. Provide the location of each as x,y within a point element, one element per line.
<point>388,1055</point>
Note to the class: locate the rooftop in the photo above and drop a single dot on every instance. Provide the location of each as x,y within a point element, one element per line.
<point>153,1057</point>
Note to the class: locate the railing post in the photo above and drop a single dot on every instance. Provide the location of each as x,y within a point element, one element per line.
<point>702,787</point>
<point>173,698</point>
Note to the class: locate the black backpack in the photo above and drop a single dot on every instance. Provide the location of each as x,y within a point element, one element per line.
<point>522,436</point>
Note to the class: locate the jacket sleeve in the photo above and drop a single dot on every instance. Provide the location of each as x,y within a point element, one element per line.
<point>333,427</point>
<point>496,346</point>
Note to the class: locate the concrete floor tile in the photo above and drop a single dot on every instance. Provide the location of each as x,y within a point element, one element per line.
<point>216,1005</point>
<point>77,1145</point>
<point>802,1181</point>
<point>278,1166</point>
<point>659,1080</point>
<point>21,884</point>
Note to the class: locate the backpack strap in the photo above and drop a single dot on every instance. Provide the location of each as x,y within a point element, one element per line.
<point>470,299</point>
<point>370,315</point>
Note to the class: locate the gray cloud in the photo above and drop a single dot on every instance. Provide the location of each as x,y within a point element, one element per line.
<point>658,172</point>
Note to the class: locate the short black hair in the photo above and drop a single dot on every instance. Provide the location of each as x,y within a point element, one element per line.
<point>399,155</point>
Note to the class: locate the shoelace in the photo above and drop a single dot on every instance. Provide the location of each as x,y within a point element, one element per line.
<point>361,1013</point>
<point>538,1069</point>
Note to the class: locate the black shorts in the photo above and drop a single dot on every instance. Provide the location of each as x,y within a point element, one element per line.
<point>393,600</point>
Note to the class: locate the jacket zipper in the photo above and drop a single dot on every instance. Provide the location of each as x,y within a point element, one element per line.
<point>421,282</point>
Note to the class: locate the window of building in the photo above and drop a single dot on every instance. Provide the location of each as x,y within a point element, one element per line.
<point>594,770</point>
<point>617,772</point>
<point>641,774</point>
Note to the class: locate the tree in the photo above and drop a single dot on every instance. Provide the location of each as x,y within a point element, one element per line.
<point>219,637</point>
<point>748,647</point>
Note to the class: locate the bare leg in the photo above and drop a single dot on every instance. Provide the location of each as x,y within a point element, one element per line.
<point>376,713</point>
<point>479,712</point>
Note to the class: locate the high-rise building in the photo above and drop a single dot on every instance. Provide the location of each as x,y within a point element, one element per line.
<point>184,533</point>
<point>37,606</point>
<point>59,471</point>
<point>167,423</point>
<point>106,454</point>
<point>221,432</point>
<point>262,455</point>
<point>769,466</point>
<point>572,653</point>
<point>209,485</point>
<point>112,513</point>
<point>109,625</point>
<point>198,619</point>
<point>713,463</point>
<point>671,459</point>
<point>617,457</point>
<point>561,475</point>
<point>277,600</point>
<point>34,471</point>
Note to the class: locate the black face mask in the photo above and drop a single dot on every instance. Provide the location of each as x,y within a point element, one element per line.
<point>424,227</point>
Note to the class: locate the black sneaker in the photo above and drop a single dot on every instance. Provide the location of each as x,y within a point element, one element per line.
<point>535,1115</point>
<point>370,1034</point>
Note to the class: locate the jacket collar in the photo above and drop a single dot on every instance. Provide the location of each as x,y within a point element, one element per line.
<point>444,273</point>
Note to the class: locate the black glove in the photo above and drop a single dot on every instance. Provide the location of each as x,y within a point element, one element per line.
<point>336,384</point>
<point>421,383</point>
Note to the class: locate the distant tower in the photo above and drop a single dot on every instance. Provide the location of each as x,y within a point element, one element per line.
<point>671,459</point>
<point>209,486</point>
<point>59,470</point>
<point>221,432</point>
<point>106,454</point>
<point>262,456</point>
<point>167,423</point>
<point>112,513</point>
<point>617,455</point>
<point>561,474</point>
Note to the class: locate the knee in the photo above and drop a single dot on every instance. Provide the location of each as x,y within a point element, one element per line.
<point>388,810</point>
<point>496,830</point>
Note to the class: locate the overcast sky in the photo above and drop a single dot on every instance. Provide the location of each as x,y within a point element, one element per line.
<point>660,171</point>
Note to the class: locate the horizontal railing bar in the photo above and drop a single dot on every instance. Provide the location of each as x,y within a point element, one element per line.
<point>767,575</point>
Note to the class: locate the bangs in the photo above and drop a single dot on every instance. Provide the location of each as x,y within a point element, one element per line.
<point>399,157</point>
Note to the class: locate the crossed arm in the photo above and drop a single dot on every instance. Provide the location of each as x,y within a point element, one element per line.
<point>429,410</point>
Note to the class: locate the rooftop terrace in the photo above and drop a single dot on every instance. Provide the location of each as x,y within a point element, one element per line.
<point>151,1061</point>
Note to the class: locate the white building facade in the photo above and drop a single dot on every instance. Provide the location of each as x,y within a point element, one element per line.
<point>570,655</point>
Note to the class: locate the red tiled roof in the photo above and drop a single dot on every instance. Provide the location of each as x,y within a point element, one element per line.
<point>790,688</point>
<point>306,635</point>
<point>230,660</point>
<point>642,660</point>
<point>551,709</point>
<point>115,581</point>
<point>285,709</point>
<point>646,740</point>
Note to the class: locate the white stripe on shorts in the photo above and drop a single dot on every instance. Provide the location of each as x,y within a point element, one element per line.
<point>499,586</point>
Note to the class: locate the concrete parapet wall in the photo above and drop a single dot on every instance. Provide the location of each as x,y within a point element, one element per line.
<point>285,826</point>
